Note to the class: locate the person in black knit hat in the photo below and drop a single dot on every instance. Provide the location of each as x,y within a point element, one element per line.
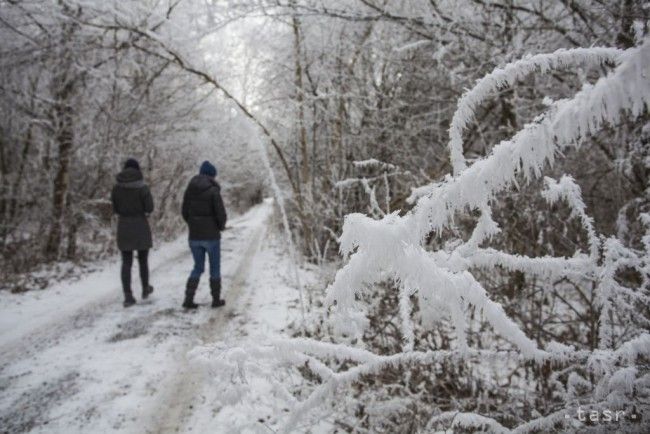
<point>205,214</point>
<point>132,202</point>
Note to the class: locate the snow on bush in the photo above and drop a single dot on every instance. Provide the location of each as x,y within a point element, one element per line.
<point>391,248</point>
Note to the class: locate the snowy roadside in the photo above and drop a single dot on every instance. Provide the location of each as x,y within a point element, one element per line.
<point>269,310</point>
<point>75,361</point>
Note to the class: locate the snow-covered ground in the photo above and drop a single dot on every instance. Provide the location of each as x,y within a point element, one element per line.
<point>74,360</point>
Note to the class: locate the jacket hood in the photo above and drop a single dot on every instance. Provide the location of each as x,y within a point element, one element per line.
<point>130,178</point>
<point>201,183</point>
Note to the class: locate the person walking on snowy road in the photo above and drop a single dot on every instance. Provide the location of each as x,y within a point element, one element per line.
<point>205,215</point>
<point>132,202</point>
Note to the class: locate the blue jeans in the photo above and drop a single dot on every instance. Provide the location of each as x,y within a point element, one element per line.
<point>199,248</point>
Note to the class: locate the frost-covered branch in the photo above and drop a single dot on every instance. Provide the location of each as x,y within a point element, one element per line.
<point>506,77</point>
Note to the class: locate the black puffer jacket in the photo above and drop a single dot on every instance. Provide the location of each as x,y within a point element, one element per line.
<point>132,202</point>
<point>203,208</point>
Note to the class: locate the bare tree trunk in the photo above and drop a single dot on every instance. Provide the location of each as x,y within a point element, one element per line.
<point>298,82</point>
<point>304,190</point>
<point>4,221</point>
<point>62,112</point>
<point>64,117</point>
<point>13,192</point>
<point>71,248</point>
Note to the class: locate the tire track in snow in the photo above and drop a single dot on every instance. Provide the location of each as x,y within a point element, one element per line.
<point>179,399</point>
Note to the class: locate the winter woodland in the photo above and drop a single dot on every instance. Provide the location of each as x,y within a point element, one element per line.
<point>461,191</point>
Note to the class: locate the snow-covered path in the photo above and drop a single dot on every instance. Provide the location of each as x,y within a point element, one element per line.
<point>73,360</point>
<point>178,401</point>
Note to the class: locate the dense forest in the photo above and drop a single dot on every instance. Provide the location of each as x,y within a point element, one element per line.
<point>483,167</point>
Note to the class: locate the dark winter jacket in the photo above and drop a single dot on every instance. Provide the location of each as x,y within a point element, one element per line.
<point>203,208</point>
<point>132,202</point>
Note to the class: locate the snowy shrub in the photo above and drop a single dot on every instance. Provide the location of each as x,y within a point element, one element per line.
<point>391,247</point>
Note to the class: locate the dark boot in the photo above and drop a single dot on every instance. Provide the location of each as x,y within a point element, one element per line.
<point>129,300</point>
<point>215,289</point>
<point>190,290</point>
<point>147,291</point>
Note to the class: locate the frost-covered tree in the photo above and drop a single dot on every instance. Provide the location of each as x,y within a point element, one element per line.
<point>353,80</point>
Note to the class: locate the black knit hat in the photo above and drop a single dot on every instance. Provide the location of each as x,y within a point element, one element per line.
<point>208,169</point>
<point>132,163</point>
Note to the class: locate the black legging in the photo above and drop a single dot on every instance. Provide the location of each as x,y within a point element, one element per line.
<point>127,263</point>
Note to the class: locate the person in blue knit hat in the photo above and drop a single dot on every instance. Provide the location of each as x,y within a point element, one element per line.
<point>205,214</point>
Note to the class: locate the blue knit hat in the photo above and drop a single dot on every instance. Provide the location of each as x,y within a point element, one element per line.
<point>132,163</point>
<point>208,169</point>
